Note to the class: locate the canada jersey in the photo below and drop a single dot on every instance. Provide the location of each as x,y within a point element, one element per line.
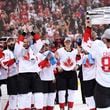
<point>3,71</point>
<point>102,56</point>
<point>26,59</point>
<point>12,69</point>
<point>88,68</point>
<point>47,73</point>
<point>67,59</point>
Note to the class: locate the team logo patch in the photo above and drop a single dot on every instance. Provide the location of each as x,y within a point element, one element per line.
<point>68,63</point>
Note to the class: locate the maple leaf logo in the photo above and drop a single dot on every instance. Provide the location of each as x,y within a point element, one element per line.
<point>68,62</point>
<point>26,56</point>
<point>87,64</point>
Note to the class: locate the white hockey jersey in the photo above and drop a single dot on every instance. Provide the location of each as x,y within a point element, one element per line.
<point>47,73</point>
<point>26,59</point>
<point>102,56</point>
<point>88,68</point>
<point>67,59</point>
<point>3,71</point>
<point>10,63</point>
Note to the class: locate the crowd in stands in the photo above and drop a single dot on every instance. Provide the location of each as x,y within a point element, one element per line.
<point>53,19</point>
<point>62,23</point>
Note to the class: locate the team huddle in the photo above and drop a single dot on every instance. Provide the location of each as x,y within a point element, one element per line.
<point>33,72</point>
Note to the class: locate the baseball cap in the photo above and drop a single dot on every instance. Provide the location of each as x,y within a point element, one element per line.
<point>67,39</point>
<point>106,34</point>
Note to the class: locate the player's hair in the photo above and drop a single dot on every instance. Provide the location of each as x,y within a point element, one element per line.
<point>10,39</point>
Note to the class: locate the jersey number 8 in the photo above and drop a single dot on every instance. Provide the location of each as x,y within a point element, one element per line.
<point>106,64</point>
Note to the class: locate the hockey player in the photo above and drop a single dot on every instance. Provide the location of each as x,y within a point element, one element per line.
<point>100,51</point>
<point>89,69</point>
<point>3,72</point>
<point>67,77</point>
<point>9,64</point>
<point>47,75</point>
<point>28,79</point>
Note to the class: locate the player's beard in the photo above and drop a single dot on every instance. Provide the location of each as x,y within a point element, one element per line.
<point>11,47</point>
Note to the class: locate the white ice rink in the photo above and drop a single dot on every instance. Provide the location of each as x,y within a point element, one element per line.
<point>78,100</point>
